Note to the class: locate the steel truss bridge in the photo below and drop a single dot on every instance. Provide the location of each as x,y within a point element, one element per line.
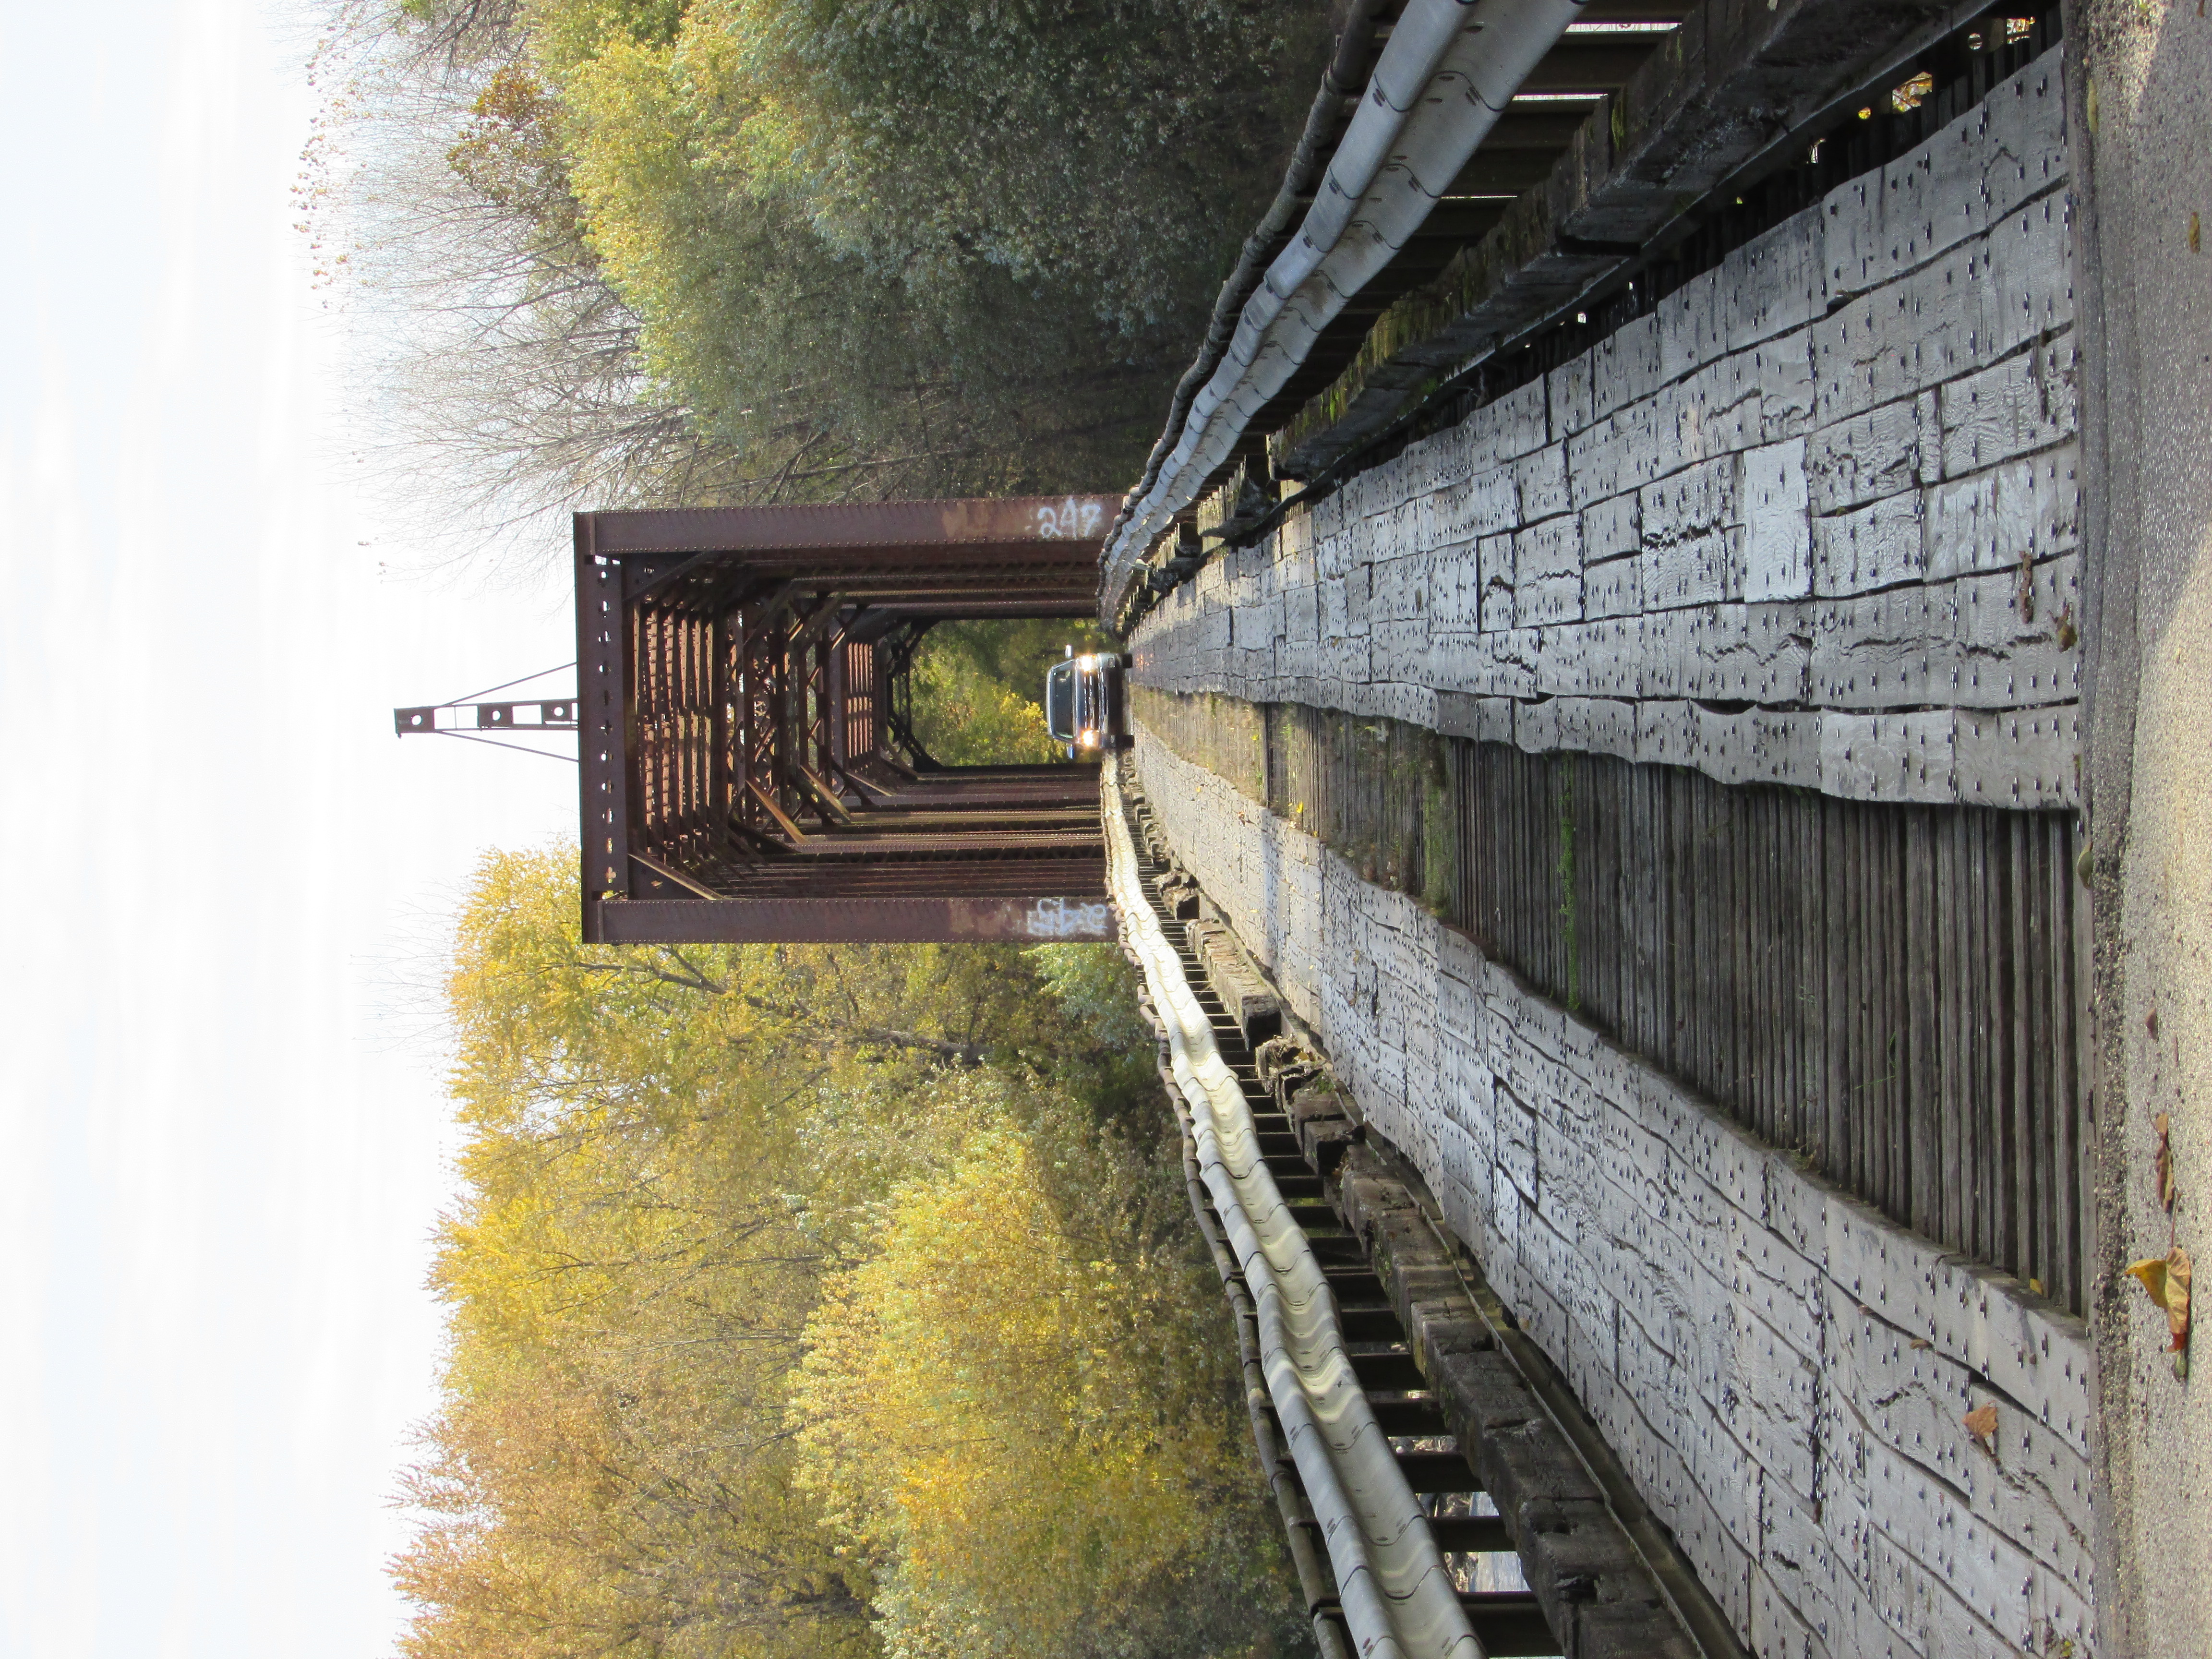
<point>749,766</point>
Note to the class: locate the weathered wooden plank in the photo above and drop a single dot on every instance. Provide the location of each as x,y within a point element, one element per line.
<point>1863,456</point>
<point>1886,1061</point>
<point>1831,1149</point>
<point>1771,1018</point>
<point>2028,401</point>
<point>1898,986</point>
<point>1958,1143</point>
<point>1736,847</point>
<point>1868,1059</point>
<point>1722,931</point>
<point>2033,989</point>
<point>1883,879</point>
<point>1981,1075</point>
<point>2072,1106</point>
<point>1872,1049</point>
<point>1880,545</point>
<point>1922,984</point>
<point>1596,904</point>
<point>2017,951</point>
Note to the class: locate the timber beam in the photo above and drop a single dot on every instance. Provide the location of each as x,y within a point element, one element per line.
<point>1606,1574</point>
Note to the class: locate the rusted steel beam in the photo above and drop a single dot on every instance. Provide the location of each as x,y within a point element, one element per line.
<point>656,872</point>
<point>755,654</point>
<point>602,688</point>
<point>984,873</point>
<point>830,848</point>
<point>1080,520</point>
<point>1059,604</point>
<point>1079,914</point>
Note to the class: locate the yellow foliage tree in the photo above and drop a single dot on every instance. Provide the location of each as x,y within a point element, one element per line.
<point>965,717</point>
<point>609,1476</point>
<point>1004,1412</point>
<point>937,1166</point>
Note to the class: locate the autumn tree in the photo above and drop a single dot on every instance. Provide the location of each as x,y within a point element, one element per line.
<point>978,685</point>
<point>1008,1411</point>
<point>610,1474</point>
<point>757,1247</point>
<point>818,249</point>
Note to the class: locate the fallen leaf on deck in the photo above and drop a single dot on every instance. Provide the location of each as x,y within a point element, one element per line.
<point>1982,1424</point>
<point>2167,1281</point>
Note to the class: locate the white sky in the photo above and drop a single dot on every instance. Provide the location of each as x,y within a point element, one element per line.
<point>221,1158</point>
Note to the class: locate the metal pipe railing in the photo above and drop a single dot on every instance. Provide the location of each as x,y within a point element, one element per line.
<point>1397,1597</point>
<point>1448,71</point>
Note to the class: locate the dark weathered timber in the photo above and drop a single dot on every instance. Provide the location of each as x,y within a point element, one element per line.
<point>1891,990</point>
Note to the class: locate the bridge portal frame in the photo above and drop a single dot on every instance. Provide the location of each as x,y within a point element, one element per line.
<point>745,773</point>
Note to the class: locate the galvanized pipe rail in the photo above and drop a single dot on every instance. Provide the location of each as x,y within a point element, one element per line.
<point>1475,1418</point>
<point>1332,1387</point>
<point>1448,71</point>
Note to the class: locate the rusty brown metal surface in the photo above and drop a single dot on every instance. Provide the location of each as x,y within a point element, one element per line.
<point>1022,519</point>
<point>601,693</point>
<point>743,743</point>
<point>1041,919</point>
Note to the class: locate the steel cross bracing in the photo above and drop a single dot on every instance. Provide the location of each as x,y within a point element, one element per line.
<point>1504,1463</point>
<point>749,771</point>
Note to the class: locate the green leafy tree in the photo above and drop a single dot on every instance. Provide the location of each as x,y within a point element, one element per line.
<point>978,687</point>
<point>873,248</point>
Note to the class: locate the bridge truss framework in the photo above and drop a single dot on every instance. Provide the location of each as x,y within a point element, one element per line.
<point>748,766</point>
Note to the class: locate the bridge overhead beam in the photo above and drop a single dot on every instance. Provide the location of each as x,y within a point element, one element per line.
<point>1078,914</point>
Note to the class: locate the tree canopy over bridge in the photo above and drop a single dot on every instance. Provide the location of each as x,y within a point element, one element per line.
<point>758,250</point>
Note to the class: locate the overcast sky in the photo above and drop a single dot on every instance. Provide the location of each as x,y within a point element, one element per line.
<point>221,1156</point>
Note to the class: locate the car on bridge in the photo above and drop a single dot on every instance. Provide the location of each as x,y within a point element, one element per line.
<point>1085,706</point>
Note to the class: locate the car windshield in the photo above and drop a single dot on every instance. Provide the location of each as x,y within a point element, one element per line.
<point>1059,701</point>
